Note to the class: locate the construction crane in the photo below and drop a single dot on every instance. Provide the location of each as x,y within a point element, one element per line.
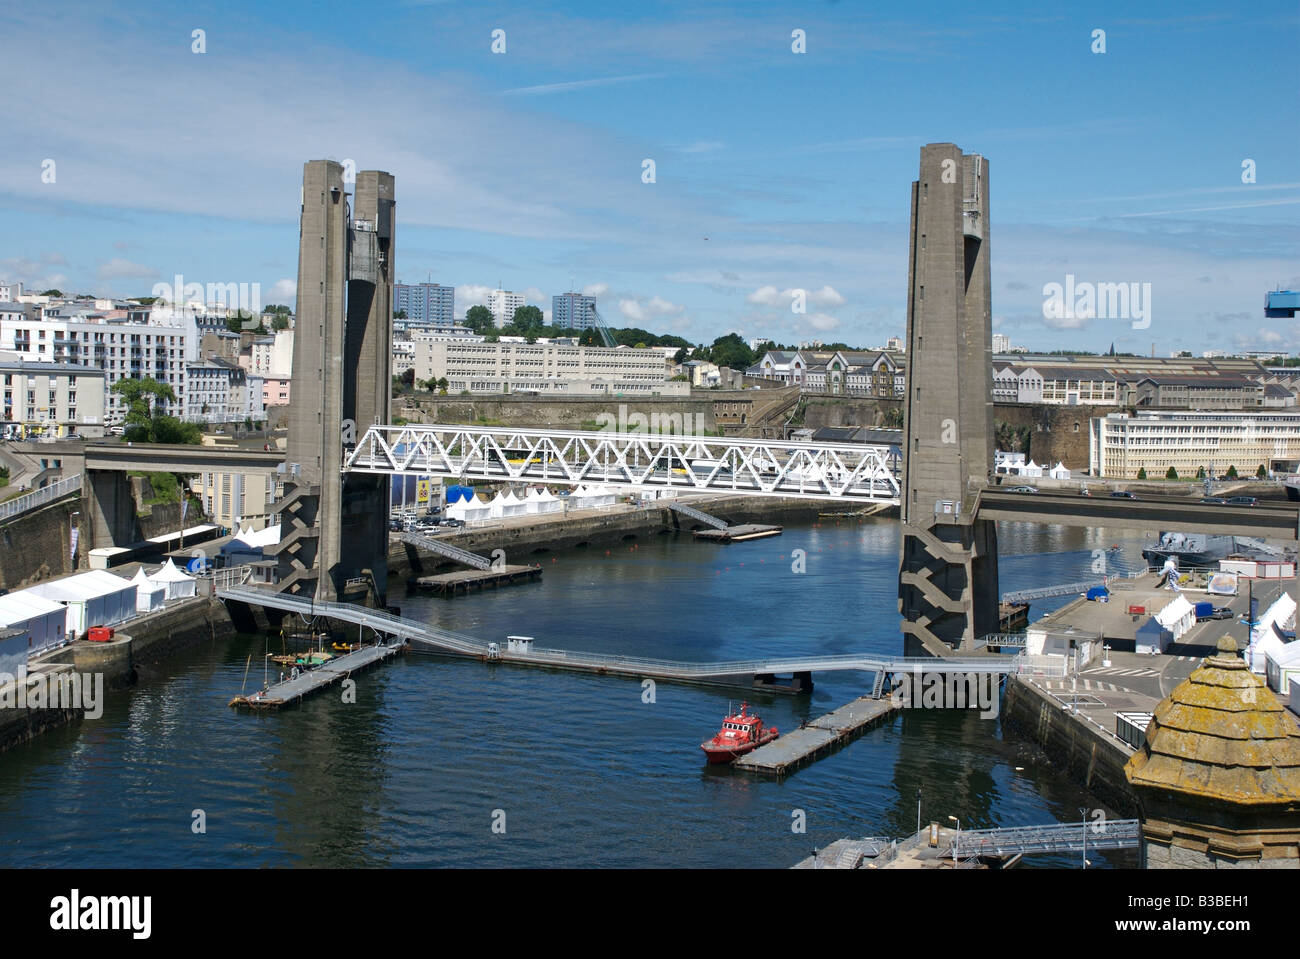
<point>598,322</point>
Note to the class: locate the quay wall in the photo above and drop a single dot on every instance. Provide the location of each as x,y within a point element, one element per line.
<point>1088,756</point>
<point>602,527</point>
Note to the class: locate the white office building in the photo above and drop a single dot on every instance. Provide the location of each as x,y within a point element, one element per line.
<point>1120,445</point>
<point>503,304</point>
<point>544,368</point>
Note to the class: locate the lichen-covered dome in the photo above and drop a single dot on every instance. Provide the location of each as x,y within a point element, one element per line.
<point>1222,735</point>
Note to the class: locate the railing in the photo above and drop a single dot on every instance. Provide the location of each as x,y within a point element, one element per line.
<point>696,514</point>
<point>40,497</point>
<point>633,665</point>
<point>632,461</point>
<point>1061,837</point>
<point>1002,640</point>
<point>446,549</point>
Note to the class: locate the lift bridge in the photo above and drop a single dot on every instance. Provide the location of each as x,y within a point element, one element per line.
<point>633,461</point>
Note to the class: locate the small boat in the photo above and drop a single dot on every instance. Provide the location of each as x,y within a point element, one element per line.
<point>739,734</point>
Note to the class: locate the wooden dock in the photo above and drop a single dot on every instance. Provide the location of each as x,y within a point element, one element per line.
<point>463,580</point>
<point>310,681</point>
<point>738,534</point>
<point>801,746</point>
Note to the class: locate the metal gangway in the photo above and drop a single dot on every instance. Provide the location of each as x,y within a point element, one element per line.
<point>1059,837</point>
<point>447,641</point>
<point>633,461</point>
<point>1044,592</point>
<point>446,549</point>
<point>41,497</point>
<point>696,514</point>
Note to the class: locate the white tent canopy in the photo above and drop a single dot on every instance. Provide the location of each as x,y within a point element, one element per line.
<point>1059,471</point>
<point>1263,638</point>
<point>1177,616</point>
<point>148,594</point>
<point>45,619</point>
<point>179,585</point>
<point>93,598</point>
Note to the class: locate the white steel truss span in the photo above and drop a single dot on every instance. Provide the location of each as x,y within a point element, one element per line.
<point>845,472</point>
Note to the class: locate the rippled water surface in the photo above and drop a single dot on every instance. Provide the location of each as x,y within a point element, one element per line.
<point>584,771</point>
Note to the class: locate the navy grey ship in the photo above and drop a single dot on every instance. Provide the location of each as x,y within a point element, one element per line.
<point>1200,549</point>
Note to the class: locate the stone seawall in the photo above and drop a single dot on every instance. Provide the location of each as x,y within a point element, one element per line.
<point>600,527</point>
<point>179,627</point>
<point>1087,755</point>
<point>35,546</point>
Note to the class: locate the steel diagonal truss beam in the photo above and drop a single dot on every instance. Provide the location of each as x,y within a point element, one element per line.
<point>867,474</point>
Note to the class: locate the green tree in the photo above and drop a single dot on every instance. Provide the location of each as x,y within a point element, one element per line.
<point>54,293</point>
<point>680,356</point>
<point>479,319</point>
<point>408,377</point>
<point>1232,472</point>
<point>1171,473</point>
<point>281,322</point>
<point>1200,472</point>
<point>732,351</point>
<point>528,318</point>
<point>144,422</point>
<point>1261,472</point>
<point>399,315</point>
<point>1142,473</point>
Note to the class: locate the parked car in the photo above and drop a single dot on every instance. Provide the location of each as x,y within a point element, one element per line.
<point>1023,489</point>
<point>1123,494</point>
<point>1214,501</point>
<point>1242,501</point>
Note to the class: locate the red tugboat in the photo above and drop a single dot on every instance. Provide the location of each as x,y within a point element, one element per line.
<point>739,734</point>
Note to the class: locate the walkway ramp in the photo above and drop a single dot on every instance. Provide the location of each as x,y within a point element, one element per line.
<point>447,641</point>
<point>433,545</point>
<point>1061,837</point>
<point>696,514</point>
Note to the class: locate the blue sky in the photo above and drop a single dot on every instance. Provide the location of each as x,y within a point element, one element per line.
<point>774,170</point>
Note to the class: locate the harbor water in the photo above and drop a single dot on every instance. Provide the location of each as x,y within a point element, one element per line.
<point>446,762</point>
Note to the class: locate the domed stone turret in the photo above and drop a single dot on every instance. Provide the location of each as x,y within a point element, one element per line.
<point>1218,779</point>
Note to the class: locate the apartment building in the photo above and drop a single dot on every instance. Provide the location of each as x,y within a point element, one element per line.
<point>219,391</point>
<point>1120,445</point>
<point>237,499</point>
<point>121,343</point>
<point>51,399</point>
<point>503,304</point>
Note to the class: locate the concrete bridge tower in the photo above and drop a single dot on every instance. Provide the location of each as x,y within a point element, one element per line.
<point>334,528</point>
<point>948,572</point>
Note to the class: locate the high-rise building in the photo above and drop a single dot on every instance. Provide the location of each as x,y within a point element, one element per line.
<point>1001,343</point>
<point>425,304</point>
<point>573,311</point>
<point>503,304</point>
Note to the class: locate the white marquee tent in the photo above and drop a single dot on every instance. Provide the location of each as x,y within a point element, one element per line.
<point>1263,639</point>
<point>43,618</point>
<point>148,594</point>
<point>93,598</point>
<point>179,585</point>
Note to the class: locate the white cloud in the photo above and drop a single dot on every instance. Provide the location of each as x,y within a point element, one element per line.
<point>119,268</point>
<point>595,289</point>
<point>766,296</point>
<point>827,296</point>
<point>472,295</point>
<point>632,310</point>
<point>535,296</point>
<point>282,291</point>
<point>822,321</point>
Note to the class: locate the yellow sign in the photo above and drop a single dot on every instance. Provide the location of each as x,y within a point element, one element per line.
<point>422,491</point>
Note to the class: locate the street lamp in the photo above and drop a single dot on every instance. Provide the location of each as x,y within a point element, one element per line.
<point>918,810</point>
<point>1083,818</point>
<point>956,842</point>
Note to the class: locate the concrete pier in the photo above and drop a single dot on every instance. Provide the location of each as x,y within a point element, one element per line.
<point>801,746</point>
<point>738,534</point>
<point>464,580</point>
<point>311,681</point>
